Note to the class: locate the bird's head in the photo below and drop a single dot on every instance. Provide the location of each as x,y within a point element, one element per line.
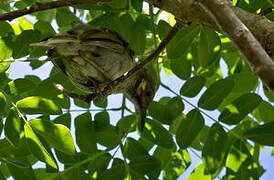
<point>141,94</point>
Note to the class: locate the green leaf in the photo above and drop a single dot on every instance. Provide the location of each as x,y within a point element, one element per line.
<point>181,67</point>
<point>125,125</point>
<point>209,47</point>
<point>117,171</point>
<point>263,134</point>
<point>134,149</point>
<point>57,135</point>
<point>4,66</point>
<point>99,164</point>
<point>193,86</point>
<point>24,173</point>
<point>64,119</point>
<point>264,112</point>
<point>144,164</point>
<point>198,173</point>
<point>239,108</point>
<point>3,104</point>
<point>215,94</point>
<point>182,41</point>
<point>157,134</point>
<point>38,105</point>
<point>138,37</point>
<point>214,150</point>
<point>5,28</point>
<point>163,29</point>
<point>19,86</point>
<point>235,158</point>
<point>66,19</point>
<point>85,129</point>
<point>21,44</point>
<point>37,147</point>
<point>189,128</point>
<point>101,120</point>
<point>137,5</point>
<point>166,110</point>
<point>108,136</point>
<point>177,164</point>
<point>14,127</point>
<point>5,51</point>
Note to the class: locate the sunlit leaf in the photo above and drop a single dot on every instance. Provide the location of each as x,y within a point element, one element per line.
<point>57,135</point>
<point>38,105</point>
<point>37,147</point>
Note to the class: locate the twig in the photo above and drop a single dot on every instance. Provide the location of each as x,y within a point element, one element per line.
<point>138,67</point>
<point>259,61</point>
<point>86,98</point>
<point>46,6</point>
<point>266,11</point>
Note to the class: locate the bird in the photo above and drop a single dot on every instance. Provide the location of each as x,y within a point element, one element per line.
<point>91,57</point>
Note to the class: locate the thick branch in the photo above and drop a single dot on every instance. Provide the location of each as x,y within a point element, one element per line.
<point>259,61</point>
<point>260,26</point>
<point>45,6</point>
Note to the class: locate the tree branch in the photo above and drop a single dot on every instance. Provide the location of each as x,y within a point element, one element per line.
<point>259,61</point>
<point>260,26</point>
<point>46,6</point>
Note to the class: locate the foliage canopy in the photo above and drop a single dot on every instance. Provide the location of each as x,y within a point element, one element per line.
<point>212,70</point>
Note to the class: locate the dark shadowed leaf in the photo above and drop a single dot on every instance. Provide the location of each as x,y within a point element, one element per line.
<point>38,105</point>
<point>193,86</point>
<point>157,134</point>
<point>19,86</point>
<point>182,41</point>
<point>264,112</point>
<point>189,128</point>
<point>5,28</point>
<point>166,110</point>
<point>239,108</point>
<point>21,45</point>
<point>214,150</point>
<point>85,129</point>
<point>144,164</point>
<point>117,171</point>
<point>138,37</point>
<point>14,127</point>
<point>181,67</point>
<point>134,149</point>
<point>163,29</point>
<point>215,94</point>
<point>209,47</point>
<point>263,134</point>
<point>137,5</point>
